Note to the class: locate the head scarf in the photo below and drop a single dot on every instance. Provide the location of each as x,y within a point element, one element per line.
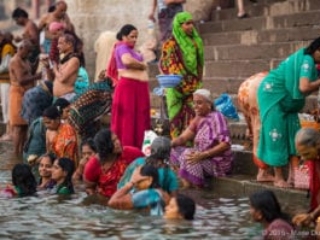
<point>204,93</point>
<point>160,148</point>
<point>192,56</point>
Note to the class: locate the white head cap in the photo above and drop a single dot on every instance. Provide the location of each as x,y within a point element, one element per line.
<point>204,93</point>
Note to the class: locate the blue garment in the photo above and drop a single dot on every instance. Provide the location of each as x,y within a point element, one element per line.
<point>36,100</point>
<point>168,180</point>
<point>149,198</point>
<point>47,45</point>
<point>82,81</point>
<point>36,140</point>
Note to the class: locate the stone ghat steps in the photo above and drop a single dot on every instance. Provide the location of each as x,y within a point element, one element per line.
<point>301,19</point>
<point>269,8</point>
<point>251,37</point>
<point>245,185</point>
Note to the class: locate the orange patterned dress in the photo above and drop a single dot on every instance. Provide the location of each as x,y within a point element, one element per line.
<point>247,99</point>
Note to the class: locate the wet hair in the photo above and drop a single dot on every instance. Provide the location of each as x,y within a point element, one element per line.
<point>313,46</point>
<point>68,166</point>
<point>308,137</point>
<point>51,112</point>
<point>159,157</point>
<point>60,104</point>
<point>125,31</point>
<point>19,12</point>
<point>104,144</point>
<point>267,203</point>
<point>51,157</point>
<point>51,8</point>
<point>151,171</point>
<point>186,206</point>
<point>23,179</point>
<point>89,142</point>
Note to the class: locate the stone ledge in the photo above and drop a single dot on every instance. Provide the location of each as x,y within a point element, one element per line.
<point>245,185</point>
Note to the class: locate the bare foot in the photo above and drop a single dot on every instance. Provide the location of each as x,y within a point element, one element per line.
<point>264,176</point>
<point>281,184</point>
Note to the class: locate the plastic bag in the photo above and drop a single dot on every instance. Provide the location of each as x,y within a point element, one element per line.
<point>302,176</point>
<point>149,136</point>
<point>225,105</point>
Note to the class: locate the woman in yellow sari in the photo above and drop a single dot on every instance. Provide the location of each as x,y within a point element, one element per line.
<point>182,54</point>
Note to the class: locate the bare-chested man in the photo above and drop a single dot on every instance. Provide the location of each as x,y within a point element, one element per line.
<point>21,79</point>
<point>58,15</point>
<point>30,33</point>
<point>65,74</point>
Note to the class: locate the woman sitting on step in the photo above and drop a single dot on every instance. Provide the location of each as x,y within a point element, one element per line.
<point>211,154</point>
<point>280,96</point>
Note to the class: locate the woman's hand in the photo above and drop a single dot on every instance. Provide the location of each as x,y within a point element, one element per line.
<point>195,157</point>
<point>302,219</point>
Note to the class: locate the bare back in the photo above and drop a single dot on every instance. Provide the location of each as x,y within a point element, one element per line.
<point>19,69</point>
<point>50,18</point>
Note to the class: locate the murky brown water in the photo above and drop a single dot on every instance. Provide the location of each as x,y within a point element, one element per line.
<point>219,216</point>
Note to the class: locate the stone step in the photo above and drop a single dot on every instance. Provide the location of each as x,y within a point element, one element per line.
<point>305,19</point>
<point>253,37</point>
<point>243,185</point>
<point>269,9</point>
<point>217,86</point>
<point>264,51</point>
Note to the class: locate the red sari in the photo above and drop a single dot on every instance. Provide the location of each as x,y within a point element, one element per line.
<point>107,180</point>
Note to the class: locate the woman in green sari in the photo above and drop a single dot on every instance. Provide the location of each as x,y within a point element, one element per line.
<point>182,54</point>
<point>281,95</point>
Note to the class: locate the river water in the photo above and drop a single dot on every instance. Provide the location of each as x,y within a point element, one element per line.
<point>219,216</point>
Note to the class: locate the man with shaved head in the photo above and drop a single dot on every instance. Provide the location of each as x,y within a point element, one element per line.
<point>58,15</point>
<point>21,79</point>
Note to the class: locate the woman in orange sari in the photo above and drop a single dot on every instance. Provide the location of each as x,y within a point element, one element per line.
<point>61,138</point>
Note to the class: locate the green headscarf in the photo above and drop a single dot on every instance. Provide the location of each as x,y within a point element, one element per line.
<point>193,56</point>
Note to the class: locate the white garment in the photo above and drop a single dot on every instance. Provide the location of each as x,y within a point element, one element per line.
<point>161,5</point>
<point>4,93</point>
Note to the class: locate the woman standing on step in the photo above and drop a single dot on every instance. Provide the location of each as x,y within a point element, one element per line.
<point>280,96</point>
<point>130,113</point>
<point>182,54</point>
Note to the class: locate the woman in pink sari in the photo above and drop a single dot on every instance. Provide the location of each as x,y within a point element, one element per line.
<point>130,114</point>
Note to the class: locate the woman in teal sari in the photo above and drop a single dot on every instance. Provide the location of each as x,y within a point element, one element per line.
<point>182,54</point>
<point>281,95</point>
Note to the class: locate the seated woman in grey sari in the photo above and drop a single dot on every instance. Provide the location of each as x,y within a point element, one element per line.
<point>211,153</point>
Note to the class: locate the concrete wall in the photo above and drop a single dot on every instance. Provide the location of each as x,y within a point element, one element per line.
<point>91,17</point>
